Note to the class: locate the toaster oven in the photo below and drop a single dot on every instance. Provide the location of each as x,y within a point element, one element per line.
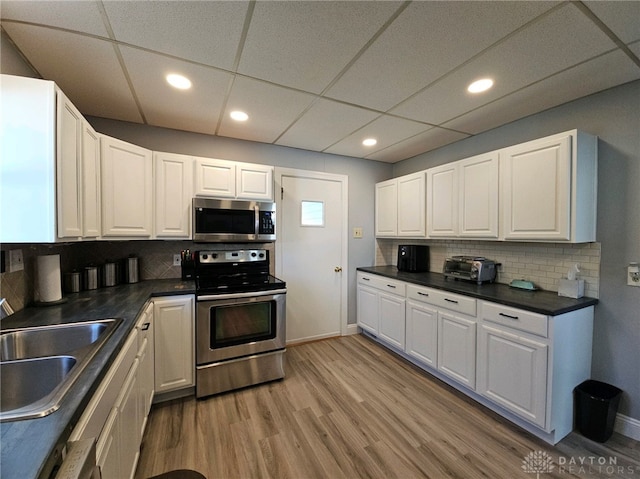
<point>470,268</point>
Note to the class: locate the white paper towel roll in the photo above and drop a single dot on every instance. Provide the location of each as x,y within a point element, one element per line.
<point>49,283</point>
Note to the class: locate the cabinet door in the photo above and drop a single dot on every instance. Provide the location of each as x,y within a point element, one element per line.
<point>386,208</point>
<point>215,178</point>
<point>457,348</point>
<point>254,182</point>
<point>537,189</point>
<point>368,309</point>
<point>128,425</point>
<point>127,189</point>
<point>422,333</point>
<point>107,448</point>
<point>392,321</point>
<point>173,337</point>
<point>90,182</point>
<point>146,381</point>
<point>442,201</point>
<point>512,371</point>
<point>478,196</point>
<point>411,205</point>
<point>68,169</point>
<point>173,193</point>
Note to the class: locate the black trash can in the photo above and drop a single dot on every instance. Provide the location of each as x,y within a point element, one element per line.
<point>596,405</point>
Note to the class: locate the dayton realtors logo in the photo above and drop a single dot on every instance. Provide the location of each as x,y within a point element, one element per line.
<point>537,462</point>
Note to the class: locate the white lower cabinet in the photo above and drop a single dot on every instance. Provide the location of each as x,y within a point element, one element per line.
<point>173,319</point>
<point>512,371</point>
<point>521,364</point>
<point>457,347</point>
<point>381,308</point>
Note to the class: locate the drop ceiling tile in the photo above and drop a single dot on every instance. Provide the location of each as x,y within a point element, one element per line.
<point>271,110</point>
<point>604,72</point>
<point>206,32</point>
<point>324,124</point>
<point>305,45</point>
<point>78,16</point>
<point>388,130</point>
<point>426,141</point>
<point>635,48</point>
<point>86,69</point>
<point>526,57</point>
<point>426,41</point>
<point>623,18</point>
<point>196,109</point>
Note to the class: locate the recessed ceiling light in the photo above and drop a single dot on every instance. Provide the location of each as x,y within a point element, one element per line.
<point>178,81</point>
<point>369,142</point>
<point>238,115</point>
<point>479,86</point>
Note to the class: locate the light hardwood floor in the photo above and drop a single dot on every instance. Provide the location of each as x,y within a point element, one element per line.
<point>348,408</point>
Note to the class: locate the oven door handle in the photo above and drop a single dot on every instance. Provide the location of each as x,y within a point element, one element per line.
<point>249,294</point>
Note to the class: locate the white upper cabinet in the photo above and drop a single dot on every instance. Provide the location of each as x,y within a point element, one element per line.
<point>400,207</point>
<point>230,179</point>
<point>549,189</point>
<point>478,196</point>
<point>127,189</point>
<point>386,208</point>
<point>442,202</point>
<point>90,182</point>
<point>68,168</point>
<point>254,182</point>
<point>172,195</point>
<point>47,191</point>
<point>463,198</point>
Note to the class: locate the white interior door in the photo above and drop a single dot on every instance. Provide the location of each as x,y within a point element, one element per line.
<point>311,253</point>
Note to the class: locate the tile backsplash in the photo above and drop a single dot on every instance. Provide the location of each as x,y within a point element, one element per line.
<point>155,261</point>
<point>542,263</point>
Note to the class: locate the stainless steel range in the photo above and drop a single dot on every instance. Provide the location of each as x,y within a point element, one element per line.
<point>240,320</point>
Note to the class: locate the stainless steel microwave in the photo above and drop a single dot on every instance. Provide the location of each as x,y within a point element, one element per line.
<point>233,221</point>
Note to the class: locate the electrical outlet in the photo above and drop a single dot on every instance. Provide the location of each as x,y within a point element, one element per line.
<point>357,232</point>
<point>16,263</point>
<point>176,260</point>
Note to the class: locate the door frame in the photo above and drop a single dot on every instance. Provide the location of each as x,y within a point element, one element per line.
<point>279,172</point>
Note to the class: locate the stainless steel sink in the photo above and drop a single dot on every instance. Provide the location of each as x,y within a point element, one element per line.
<point>39,365</point>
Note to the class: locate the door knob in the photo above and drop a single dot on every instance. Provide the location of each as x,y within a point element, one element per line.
<point>337,269</point>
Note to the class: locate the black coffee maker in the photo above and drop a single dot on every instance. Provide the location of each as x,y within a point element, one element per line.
<point>413,258</point>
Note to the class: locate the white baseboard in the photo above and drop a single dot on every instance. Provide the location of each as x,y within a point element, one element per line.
<point>627,426</point>
<point>352,329</point>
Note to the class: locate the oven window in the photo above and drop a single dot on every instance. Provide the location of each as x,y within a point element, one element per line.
<point>214,221</point>
<point>242,323</point>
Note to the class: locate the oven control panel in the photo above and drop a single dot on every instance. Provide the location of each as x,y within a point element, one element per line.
<point>233,256</point>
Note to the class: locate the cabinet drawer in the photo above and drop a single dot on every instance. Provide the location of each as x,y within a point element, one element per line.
<point>382,283</point>
<point>454,302</point>
<point>516,318</point>
<point>421,293</point>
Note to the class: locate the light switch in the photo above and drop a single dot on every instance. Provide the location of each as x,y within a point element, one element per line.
<point>16,262</point>
<point>357,232</point>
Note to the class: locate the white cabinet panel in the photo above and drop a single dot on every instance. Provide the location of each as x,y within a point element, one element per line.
<point>457,348</point>
<point>478,196</point>
<point>422,332</point>
<point>512,371</point>
<point>173,319</point>
<point>254,182</point>
<point>91,223</point>
<point>392,319</point>
<point>173,193</point>
<point>442,202</point>
<point>127,189</point>
<point>537,189</point>
<point>386,208</point>
<point>69,168</point>
<point>368,309</point>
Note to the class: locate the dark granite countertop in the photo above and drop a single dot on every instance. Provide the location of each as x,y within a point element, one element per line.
<point>543,302</point>
<point>29,448</point>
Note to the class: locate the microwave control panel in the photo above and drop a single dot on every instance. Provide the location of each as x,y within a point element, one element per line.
<point>267,223</point>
